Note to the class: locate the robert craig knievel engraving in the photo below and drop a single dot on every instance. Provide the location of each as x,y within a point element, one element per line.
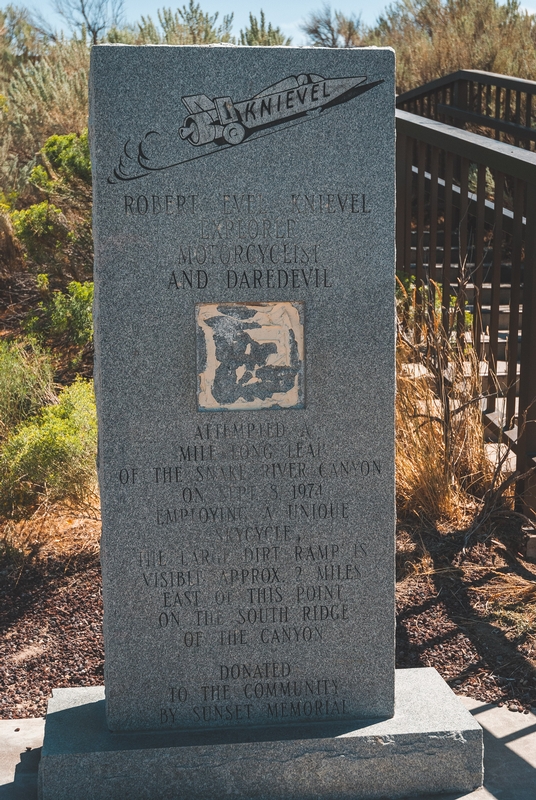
<point>244,335</point>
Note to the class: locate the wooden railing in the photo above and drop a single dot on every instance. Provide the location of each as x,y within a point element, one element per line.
<point>498,106</point>
<point>466,222</point>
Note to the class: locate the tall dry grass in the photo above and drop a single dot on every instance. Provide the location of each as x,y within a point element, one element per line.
<point>442,468</point>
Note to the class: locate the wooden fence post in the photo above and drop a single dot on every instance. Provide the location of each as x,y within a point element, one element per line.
<point>526,490</point>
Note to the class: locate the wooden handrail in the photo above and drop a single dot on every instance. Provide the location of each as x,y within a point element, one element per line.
<point>476,75</point>
<point>496,155</point>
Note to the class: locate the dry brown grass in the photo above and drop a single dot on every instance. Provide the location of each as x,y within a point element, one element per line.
<point>57,531</point>
<point>441,463</point>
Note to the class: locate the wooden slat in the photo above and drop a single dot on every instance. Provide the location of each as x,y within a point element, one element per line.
<point>462,257</point>
<point>495,291</point>
<point>498,110</point>
<point>517,115</point>
<point>410,144</point>
<point>527,388</point>
<point>515,297</point>
<point>479,255</point>
<point>479,98</point>
<point>447,250</point>
<point>419,260</point>
<point>402,225</point>
<point>528,115</point>
<point>434,186</point>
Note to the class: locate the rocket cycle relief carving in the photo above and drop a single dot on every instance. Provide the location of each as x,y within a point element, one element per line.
<point>250,356</point>
<point>219,123</point>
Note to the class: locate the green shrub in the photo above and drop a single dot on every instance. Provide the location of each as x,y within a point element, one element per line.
<point>70,154</point>
<point>25,382</point>
<point>39,226</point>
<point>62,313</point>
<point>7,200</point>
<point>52,455</point>
<point>39,177</point>
<point>71,313</point>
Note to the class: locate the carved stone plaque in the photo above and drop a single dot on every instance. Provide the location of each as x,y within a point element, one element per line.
<point>250,355</point>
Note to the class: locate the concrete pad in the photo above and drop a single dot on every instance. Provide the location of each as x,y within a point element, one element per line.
<point>509,753</point>
<point>506,776</point>
<point>431,743</point>
<point>20,751</point>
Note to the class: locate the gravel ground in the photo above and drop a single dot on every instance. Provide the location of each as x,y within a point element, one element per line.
<point>51,634</point>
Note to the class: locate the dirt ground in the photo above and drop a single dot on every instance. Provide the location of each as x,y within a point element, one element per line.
<point>471,616</point>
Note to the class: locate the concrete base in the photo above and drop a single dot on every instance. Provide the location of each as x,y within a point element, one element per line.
<point>431,745</point>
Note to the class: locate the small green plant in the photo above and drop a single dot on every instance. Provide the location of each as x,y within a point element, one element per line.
<point>39,177</point>
<point>43,282</point>
<point>70,155</point>
<point>51,456</point>
<point>71,313</point>
<point>25,382</point>
<point>39,227</point>
<point>7,200</point>
<point>60,313</point>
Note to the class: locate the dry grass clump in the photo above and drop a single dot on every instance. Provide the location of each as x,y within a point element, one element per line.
<point>54,531</point>
<point>440,454</point>
<point>510,600</point>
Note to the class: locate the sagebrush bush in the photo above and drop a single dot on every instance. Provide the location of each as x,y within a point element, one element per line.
<point>26,382</point>
<point>39,227</point>
<point>42,98</point>
<point>433,38</point>
<point>70,154</point>
<point>51,456</point>
<point>64,313</point>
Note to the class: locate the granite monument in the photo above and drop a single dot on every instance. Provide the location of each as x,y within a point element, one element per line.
<point>244,336</point>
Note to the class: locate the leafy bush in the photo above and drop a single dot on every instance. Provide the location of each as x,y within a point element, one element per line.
<point>51,456</point>
<point>39,224</point>
<point>25,383</point>
<point>70,154</point>
<point>62,313</point>
<point>39,177</point>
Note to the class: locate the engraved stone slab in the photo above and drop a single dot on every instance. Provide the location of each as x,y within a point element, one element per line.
<point>431,745</point>
<point>244,335</point>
